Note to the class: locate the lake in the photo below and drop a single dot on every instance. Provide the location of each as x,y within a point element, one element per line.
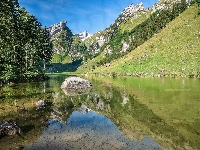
<point>117,113</point>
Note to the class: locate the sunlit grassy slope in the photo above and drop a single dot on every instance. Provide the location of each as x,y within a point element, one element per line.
<point>173,51</point>
<point>57,58</point>
<point>128,25</point>
<point>132,22</point>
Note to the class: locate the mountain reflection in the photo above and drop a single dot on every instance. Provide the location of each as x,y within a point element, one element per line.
<point>121,114</point>
<point>133,119</point>
<point>88,130</point>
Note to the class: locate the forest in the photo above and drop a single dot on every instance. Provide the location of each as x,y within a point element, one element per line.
<point>25,46</point>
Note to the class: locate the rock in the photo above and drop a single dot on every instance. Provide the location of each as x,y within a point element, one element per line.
<point>56,28</point>
<point>131,10</point>
<point>100,105</point>
<point>75,92</point>
<point>83,109</point>
<point>83,35</point>
<point>75,83</point>
<point>40,103</point>
<point>100,40</point>
<point>125,47</point>
<point>9,128</point>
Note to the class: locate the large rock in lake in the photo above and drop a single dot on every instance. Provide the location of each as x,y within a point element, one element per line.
<point>75,83</point>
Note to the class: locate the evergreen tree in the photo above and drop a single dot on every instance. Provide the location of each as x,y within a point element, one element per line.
<point>24,45</point>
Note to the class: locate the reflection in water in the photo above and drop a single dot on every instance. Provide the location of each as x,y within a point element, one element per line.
<point>114,114</point>
<point>75,92</point>
<point>88,131</point>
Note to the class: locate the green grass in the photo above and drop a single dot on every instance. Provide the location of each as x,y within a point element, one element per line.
<point>66,59</point>
<point>175,50</point>
<point>132,22</point>
<point>58,58</point>
<point>90,65</point>
<point>92,39</point>
<point>126,26</point>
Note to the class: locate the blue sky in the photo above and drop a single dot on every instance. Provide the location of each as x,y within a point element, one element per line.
<point>81,15</point>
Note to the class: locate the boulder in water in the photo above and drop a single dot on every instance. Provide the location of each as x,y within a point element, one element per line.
<point>75,83</point>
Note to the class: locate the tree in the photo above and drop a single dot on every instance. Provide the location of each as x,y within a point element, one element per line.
<point>24,44</point>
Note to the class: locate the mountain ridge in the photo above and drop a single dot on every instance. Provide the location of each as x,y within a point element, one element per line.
<point>91,65</point>
<point>172,52</point>
<point>125,35</point>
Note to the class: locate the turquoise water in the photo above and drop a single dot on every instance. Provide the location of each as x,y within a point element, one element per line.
<point>117,113</point>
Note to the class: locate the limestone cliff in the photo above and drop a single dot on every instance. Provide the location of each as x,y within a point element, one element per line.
<point>96,41</point>
<point>65,44</point>
<point>56,28</point>
<point>83,35</point>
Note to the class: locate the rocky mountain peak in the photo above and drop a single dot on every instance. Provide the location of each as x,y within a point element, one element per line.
<point>83,35</point>
<point>165,4</point>
<point>56,28</point>
<point>131,10</point>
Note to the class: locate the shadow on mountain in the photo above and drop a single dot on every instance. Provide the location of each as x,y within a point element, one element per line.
<point>68,67</point>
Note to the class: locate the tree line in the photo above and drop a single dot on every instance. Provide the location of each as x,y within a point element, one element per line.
<point>25,47</point>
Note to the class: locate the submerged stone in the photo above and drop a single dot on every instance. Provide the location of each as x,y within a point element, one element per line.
<point>40,103</point>
<point>9,128</point>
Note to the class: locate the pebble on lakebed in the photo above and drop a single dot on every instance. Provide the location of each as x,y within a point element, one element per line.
<point>41,103</point>
<point>9,128</point>
<point>75,83</point>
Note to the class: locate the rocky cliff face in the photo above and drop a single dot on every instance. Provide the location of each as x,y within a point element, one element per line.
<point>83,35</point>
<point>165,4</point>
<point>131,11</point>
<point>65,43</point>
<point>56,28</point>
<point>60,32</point>
<point>97,40</point>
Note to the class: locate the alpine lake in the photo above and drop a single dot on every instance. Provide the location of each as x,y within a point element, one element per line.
<point>116,113</point>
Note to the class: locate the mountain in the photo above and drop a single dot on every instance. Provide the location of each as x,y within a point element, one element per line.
<point>56,28</point>
<point>131,34</point>
<point>61,37</point>
<point>83,35</point>
<point>103,51</point>
<point>66,46</point>
<point>167,45</point>
<point>97,40</point>
<point>128,19</point>
<point>84,45</point>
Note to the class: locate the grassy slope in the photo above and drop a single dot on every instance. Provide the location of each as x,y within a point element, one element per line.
<point>57,58</point>
<point>175,49</point>
<point>92,38</point>
<point>128,25</point>
<point>132,22</point>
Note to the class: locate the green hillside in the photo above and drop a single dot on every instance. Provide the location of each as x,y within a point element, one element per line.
<point>128,25</point>
<point>132,22</point>
<point>174,51</point>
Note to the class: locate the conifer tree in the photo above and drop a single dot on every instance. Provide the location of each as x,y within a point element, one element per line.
<point>25,46</point>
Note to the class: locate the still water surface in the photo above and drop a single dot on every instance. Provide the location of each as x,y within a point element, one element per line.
<point>117,113</point>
